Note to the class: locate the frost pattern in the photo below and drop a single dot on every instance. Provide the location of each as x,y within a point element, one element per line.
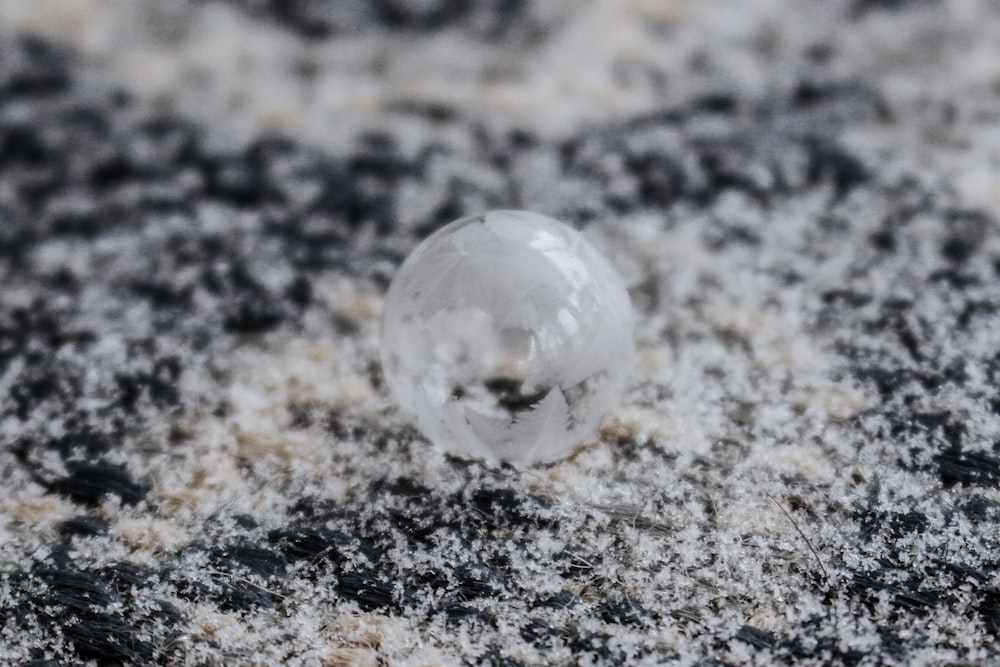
<point>547,422</point>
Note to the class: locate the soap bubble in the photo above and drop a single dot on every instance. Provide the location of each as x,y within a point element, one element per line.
<point>507,336</point>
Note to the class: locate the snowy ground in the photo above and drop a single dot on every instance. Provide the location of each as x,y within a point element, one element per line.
<point>201,206</point>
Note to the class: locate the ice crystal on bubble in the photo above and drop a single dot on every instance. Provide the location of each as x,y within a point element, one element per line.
<point>507,336</point>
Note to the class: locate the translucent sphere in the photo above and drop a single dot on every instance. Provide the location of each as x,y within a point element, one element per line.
<point>507,336</point>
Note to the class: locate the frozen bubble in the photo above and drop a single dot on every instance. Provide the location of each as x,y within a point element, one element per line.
<point>507,336</point>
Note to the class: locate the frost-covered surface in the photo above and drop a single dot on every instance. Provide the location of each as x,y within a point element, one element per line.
<point>200,459</point>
